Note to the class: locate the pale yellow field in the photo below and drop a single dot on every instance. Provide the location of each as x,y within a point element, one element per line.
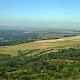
<point>58,44</point>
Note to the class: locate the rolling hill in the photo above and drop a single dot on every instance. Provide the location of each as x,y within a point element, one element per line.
<point>62,43</point>
<point>49,59</point>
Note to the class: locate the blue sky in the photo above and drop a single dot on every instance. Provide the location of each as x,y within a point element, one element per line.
<point>40,13</point>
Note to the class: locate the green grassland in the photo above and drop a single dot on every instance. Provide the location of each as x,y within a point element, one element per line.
<point>41,60</point>
<point>12,50</point>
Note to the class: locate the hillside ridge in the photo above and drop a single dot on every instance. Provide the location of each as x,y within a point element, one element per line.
<point>61,39</point>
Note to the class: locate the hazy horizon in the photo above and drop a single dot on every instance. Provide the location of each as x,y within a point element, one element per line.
<point>39,13</point>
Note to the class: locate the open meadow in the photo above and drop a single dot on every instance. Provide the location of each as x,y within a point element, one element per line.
<point>57,44</point>
<point>49,59</point>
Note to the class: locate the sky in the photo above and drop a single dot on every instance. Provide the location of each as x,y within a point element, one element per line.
<point>40,13</point>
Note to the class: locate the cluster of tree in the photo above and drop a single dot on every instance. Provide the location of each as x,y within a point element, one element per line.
<point>13,37</point>
<point>52,66</point>
<point>71,53</point>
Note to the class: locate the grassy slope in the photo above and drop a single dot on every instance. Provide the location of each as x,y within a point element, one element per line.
<point>39,45</point>
<point>43,47</point>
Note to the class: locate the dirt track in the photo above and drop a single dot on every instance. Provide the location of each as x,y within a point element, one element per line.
<point>62,39</point>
